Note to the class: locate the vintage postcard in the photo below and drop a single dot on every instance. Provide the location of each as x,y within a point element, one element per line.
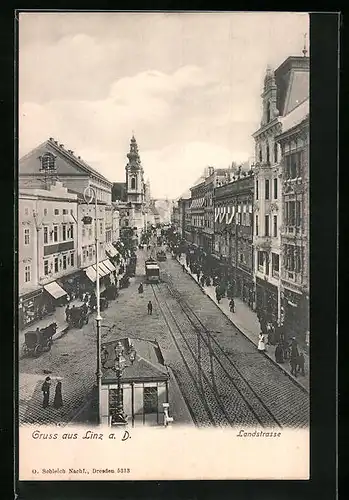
<point>163,245</point>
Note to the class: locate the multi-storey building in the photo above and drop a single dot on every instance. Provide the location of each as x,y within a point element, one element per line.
<point>47,249</point>
<point>51,160</point>
<point>197,211</point>
<point>294,141</point>
<point>175,217</point>
<point>184,203</point>
<point>234,233</point>
<point>284,89</point>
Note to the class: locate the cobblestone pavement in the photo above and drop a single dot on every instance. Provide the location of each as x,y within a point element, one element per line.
<point>246,320</point>
<point>73,359</point>
<point>262,381</point>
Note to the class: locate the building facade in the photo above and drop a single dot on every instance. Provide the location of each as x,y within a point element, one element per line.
<point>284,89</point>
<point>48,249</point>
<point>234,233</point>
<point>197,211</point>
<point>294,141</point>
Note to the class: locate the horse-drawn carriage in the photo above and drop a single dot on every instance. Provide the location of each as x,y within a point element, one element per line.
<point>39,341</point>
<point>78,316</point>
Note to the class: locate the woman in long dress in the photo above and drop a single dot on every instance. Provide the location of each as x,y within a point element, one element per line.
<point>261,343</point>
<point>58,401</point>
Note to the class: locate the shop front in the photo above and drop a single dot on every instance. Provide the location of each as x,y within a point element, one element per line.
<point>54,295</point>
<point>106,273</point>
<point>296,316</point>
<point>266,301</point>
<point>245,287</point>
<point>32,307</point>
<point>71,284</point>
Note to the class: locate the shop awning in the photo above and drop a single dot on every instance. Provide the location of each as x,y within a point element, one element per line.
<point>91,273</point>
<point>55,290</point>
<point>104,268</point>
<point>109,265</point>
<point>101,271</point>
<point>111,250</point>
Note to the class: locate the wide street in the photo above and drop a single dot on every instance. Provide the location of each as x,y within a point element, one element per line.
<point>223,379</point>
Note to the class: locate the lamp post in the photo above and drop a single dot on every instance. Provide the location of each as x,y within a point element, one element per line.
<point>89,195</point>
<point>119,364</point>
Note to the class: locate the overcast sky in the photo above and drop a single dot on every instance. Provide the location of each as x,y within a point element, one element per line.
<point>188,85</point>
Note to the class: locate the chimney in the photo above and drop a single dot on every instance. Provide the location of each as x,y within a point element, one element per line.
<point>61,145</point>
<point>70,151</point>
<point>56,142</point>
<point>51,138</point>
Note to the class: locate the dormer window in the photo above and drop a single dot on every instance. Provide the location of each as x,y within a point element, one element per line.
<point>48,161</point>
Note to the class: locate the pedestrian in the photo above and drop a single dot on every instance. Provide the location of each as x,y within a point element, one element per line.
<point>67,313</point>
<point>46,392</point>
<point>261,342</point>
<point>279,353</point>
<point>218,295</point>
<point>208,281</point>
<point>232,305</point>
<point>183,267</point>
<point>300,367</point>
<point>58,401</point>
<point>150,308</point>
<point>203,280</point>
<point>140,288</point>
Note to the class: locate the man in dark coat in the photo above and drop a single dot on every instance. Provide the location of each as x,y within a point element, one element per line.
<point>150,308</point>
<point>46,392</point>
<point>67,313</point>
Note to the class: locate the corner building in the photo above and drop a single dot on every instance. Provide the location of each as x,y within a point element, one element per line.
<point>284,89</point>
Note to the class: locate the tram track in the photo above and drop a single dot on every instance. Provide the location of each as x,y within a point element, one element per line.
<point>195,399</point>
<point>278,401</point>
<point>229,396</point>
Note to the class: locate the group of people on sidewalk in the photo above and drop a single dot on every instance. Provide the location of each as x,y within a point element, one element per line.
<point>58,400</point>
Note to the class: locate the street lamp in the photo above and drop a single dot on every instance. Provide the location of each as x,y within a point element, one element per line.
<point>89,195</point>
<point>119,364</point>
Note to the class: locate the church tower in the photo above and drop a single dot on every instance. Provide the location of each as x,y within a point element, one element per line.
<point>134,175</point>
<point>135,189</point>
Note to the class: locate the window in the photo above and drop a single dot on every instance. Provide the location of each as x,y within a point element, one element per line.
<point>55,233</point>
<point>45,234</point>
<point>84,254</point>
<point>64,262</point>
<point>256,225</point>
<point>113,400</point>
<point>48,161</point>
<point>56,211</point>
<point>101,227</point>
<point>45,267</point>
<point>71,231</point>
<point>257,193</point>
<point>72,259</point>
<point>275,152</point>
<point>90,232</point>
<point>275,259</point>
<point>293,165</point>
<point>133,183</point>
<point>268,154</point>
<point>64,232</point>
<point>266,225</point>
<point>65,211</point>
<point>45,211</point>
<point>27,274</point>
<point>268,112</point>
<point>150,399</point>
<point>126,222</point>
<point>260,259</point>
<point>298,213</point>
<point>56,265</point>
<point>267,194</point>
<point>290,213</point>
<point>275,225</point>
<point>275,188</point>
<point>266,264</point>
<point>260,155</point>
<point>26,236</point>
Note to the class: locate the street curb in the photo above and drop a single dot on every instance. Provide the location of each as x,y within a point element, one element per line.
<point>174,381</point>
<point>301,386</point>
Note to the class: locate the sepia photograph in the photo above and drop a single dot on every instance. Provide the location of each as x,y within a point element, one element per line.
<point>163,237</point>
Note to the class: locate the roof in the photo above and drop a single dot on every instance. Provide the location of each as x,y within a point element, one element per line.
<point>66,159</point>
<point>295,117</point>
<point>148,365</point>
<point>292,80</point>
